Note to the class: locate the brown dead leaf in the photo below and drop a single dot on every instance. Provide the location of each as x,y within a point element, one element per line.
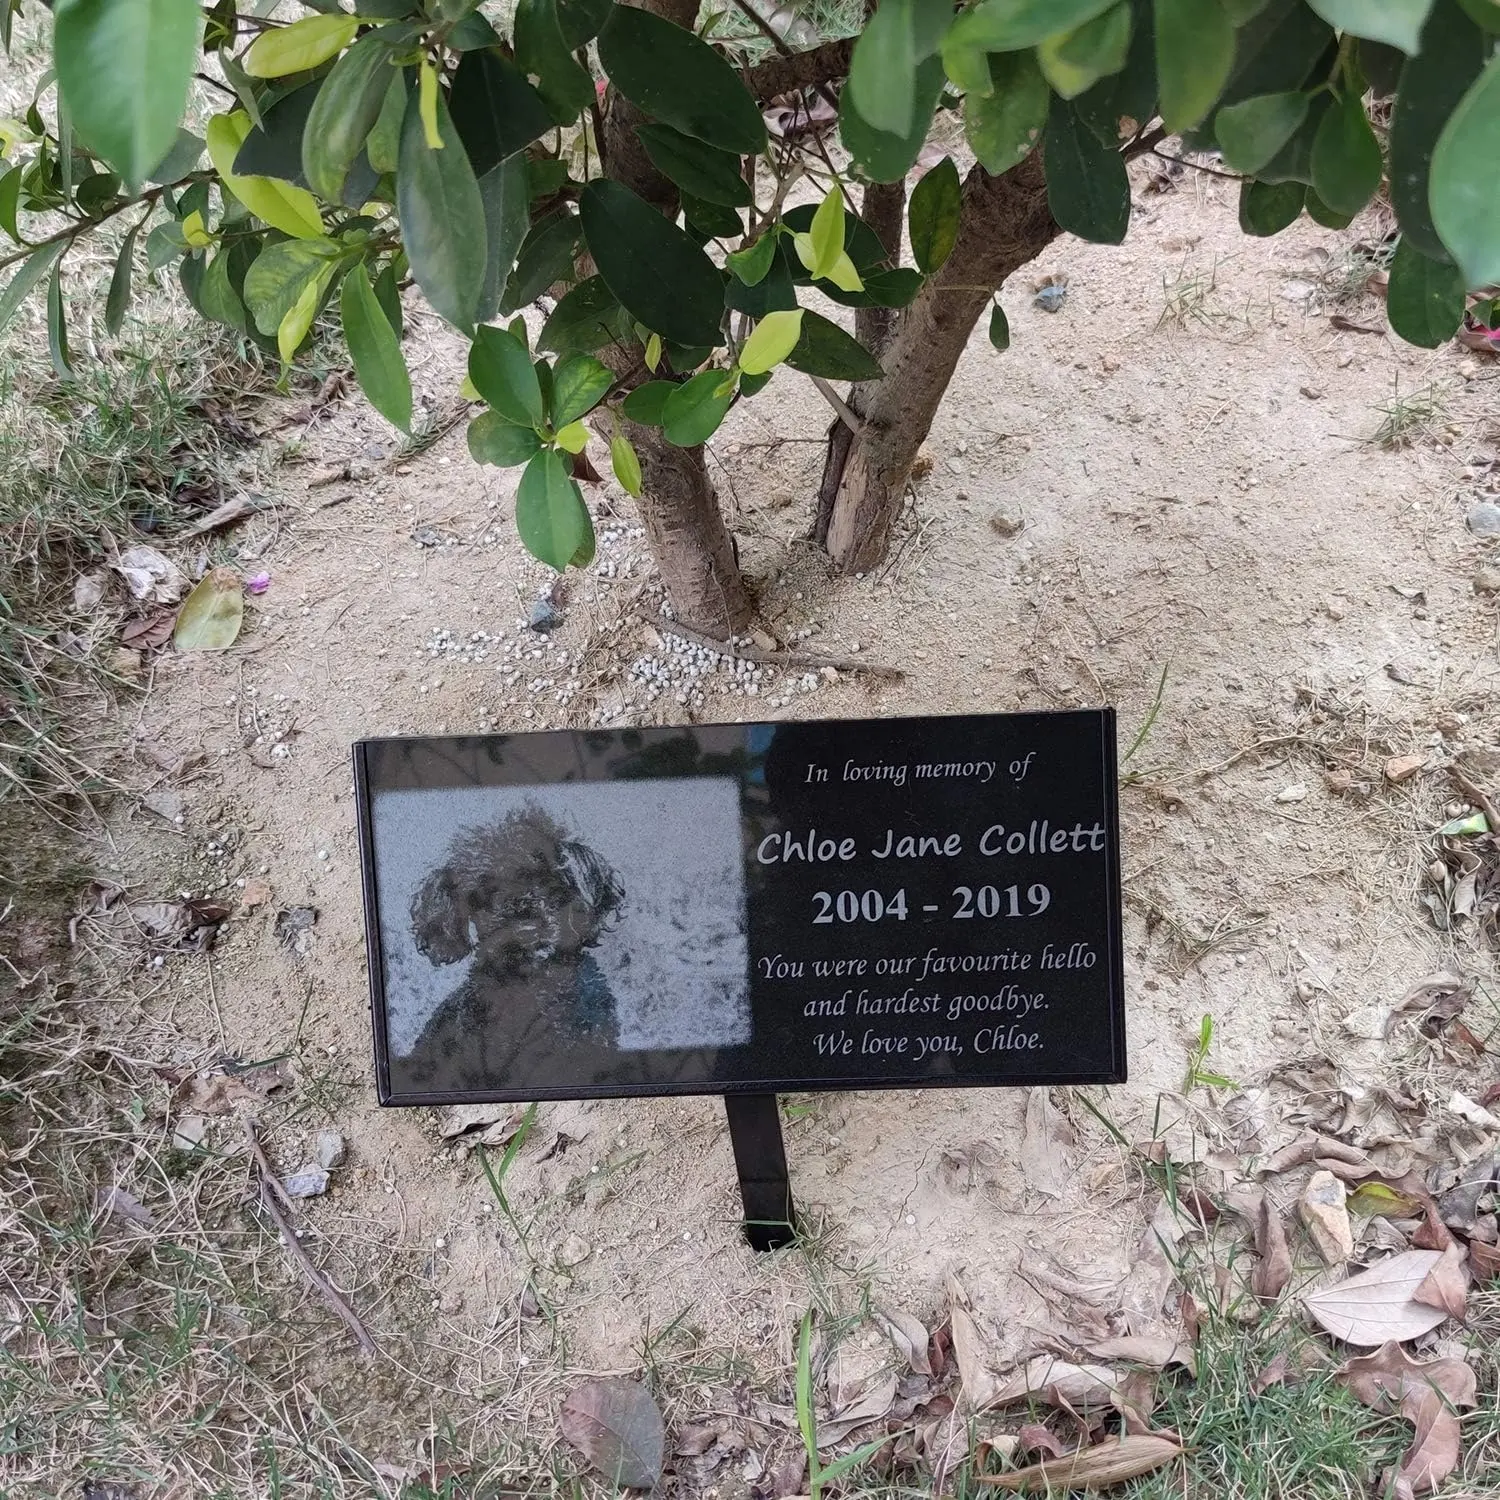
<point>1046,1164</point>
<point>1034,1438</point>
<point>226,514</point>
<point>1376,1306</point>
<point>223,1092</point>
<point>1274,1269</point>
<point>1058,1382</point>
<point>870,1406</point>
<point>149,632</point>
<point>1152,1353</point>
<point>257,892</point>
<point>1108,1463</point>
<point>693,1442</point>
<point>978,1383</point>
<point>116,1202</point>
<point>617,1427</point>
<point>909,1335</point>
<point>1484,1261</point>
<point>1278,1372</point>
<point>1446,1285</point>
<point>1428,1394</point>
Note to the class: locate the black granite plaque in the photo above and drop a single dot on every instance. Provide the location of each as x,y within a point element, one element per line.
<point>881,903</point>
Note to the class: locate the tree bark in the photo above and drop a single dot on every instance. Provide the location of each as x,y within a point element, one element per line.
<point>1005,224</point>
<point>689,540</point>
<point>883,208</point>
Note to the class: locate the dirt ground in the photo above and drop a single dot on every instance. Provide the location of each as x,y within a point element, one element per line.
<point>1171,475</point>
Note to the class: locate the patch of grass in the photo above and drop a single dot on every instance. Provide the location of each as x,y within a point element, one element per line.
<point>1305,1441</point>
<point>1405,420</point>
<point>1346,277</point>
<point>1188,297</point>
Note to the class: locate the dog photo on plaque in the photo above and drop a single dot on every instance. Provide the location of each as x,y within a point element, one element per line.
<point>758,907</point>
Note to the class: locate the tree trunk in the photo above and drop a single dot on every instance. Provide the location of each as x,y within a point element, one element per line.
<point>692,546</point>
<point>883,209</point>
<point>1005,224</point>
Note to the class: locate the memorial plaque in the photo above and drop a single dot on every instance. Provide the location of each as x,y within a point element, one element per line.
<point>748,908</point>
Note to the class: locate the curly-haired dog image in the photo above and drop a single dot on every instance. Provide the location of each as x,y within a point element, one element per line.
<point>562,937</point>
<point>527,902</point>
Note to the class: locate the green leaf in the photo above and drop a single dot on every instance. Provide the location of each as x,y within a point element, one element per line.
<point>646,403</point>
<point>493,440</point>
<point>697,168</point>
<point>1346,165</point>
<point>680,80</point>
<point>1003,127</point>
<point>442,218</point>
<point>579,383</point>
<point>1267,208</point>
<point>212,614</point>
<point>383,145</point>
<point>1320,213</point>
<point>627,466</point>
<point>10,193</point>
<point>1425,298</point>
<point>1398,22</point>
<point>57,326</point>
<point>1087,186</point>
<point>500,367</point>
<point>652,352</point>
<point>31,270</point>
<point>694,409</point>
<point>1465,204</point>
<point>293,210</point>
<point>1130,93</point>
<point>281,273</point>
<point>582,19</point>
<point>217,296</point>
<point>124,68</point>
<point>1485,13</point>
<point>118,300</point>
<point>1293,163</point>
<point>583,319</point>
<point>999,328</point>
<point>933,215</point>
<point>1194,56</point>
<point>182,157</point>
<point>774,338</point>
<point>712,221</point>
<point>375,350</point>
<point>654,269</point>
<point>546,256</point>
<point>297,323</point>
<point>1251,132</point>
<point>495,110</point>
<point>879,154</point>
<point>751,264</point>
<point>825,236</point>
<point>1451,58</point>
<point>346,107</point>
<point>551,518</point>
<point>300,47</point>
<point>883,69</point>
<point>1074,61</point>
<point>1285,47</point>
<point>1012,25</point>
<point>506,193</point>
<point>825,349</point>
<point>542,52</point>
<point>573,438</point>
<point>388,295</point>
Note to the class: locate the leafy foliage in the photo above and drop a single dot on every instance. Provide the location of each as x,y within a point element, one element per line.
<point>398,142</point>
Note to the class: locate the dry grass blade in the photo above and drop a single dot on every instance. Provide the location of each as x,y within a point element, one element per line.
<point>1097,1468</point>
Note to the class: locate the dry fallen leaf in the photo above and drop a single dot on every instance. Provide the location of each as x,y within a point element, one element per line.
<point>1484,1261</point>
<point>221,1093</point>
<point>1034,1438</point>
<point>1058,1382</point>
<point>1474,1113</point>
<point>1153,1353</point>
<point>210,617</point>
<point>870,1406</point>
<point>1108,1463</point>
<point>1427,1394</point>
<point>693,1442</point>
<point>1446,1285</point>
<point>150,575</point>
<point>1376,1306</point>
<point>910,1337</point>
<point>1274,1268</point>
<point>616,1426</point>
<point>978,1383</point>
<point>120,1204</point>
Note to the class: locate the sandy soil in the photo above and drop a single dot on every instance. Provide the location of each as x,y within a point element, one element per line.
<point>1197,496</point>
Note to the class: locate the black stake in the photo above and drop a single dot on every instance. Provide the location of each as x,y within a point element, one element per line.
<point>760,1160</point>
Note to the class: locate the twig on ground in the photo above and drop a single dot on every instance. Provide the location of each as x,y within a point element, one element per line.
<point>273,1196</point>
<point>1476,795</point>
<point>806,660</point>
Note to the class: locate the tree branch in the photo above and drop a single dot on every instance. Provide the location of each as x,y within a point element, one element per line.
<point>817,66</point>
